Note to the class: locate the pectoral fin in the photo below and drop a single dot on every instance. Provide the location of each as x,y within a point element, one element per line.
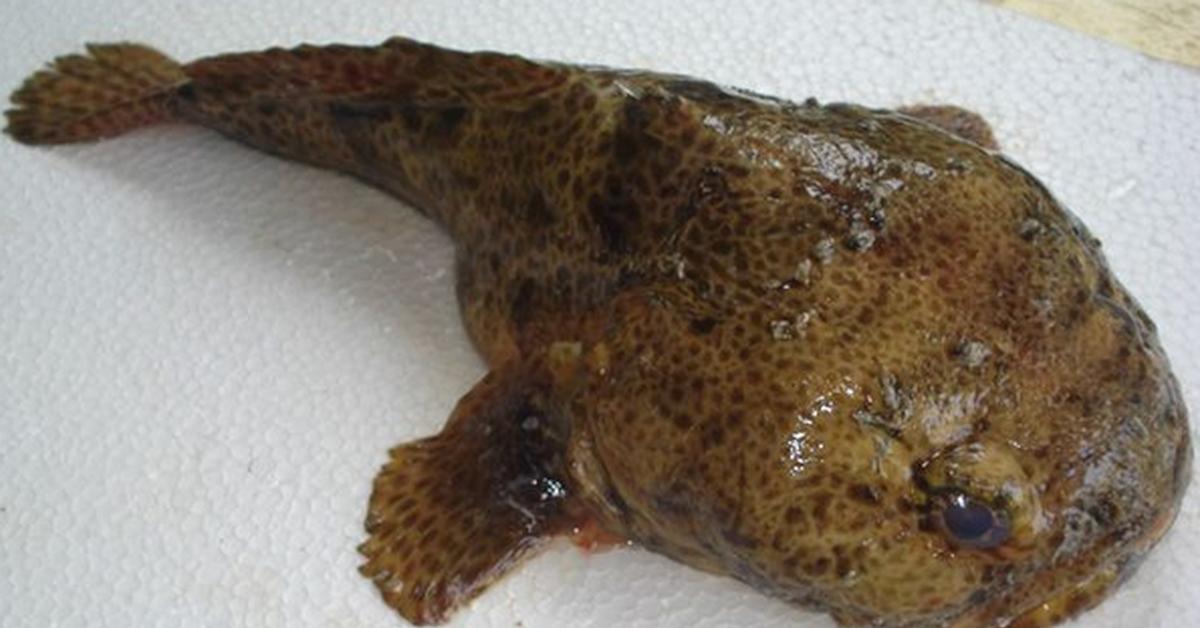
<point>452,513</point>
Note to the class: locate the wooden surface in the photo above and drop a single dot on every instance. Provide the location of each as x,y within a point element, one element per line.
<point>1166,29</point>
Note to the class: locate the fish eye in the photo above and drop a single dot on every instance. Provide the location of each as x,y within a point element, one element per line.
<point>972,523</point>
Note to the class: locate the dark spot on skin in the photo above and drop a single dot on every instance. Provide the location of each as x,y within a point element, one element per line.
<point>374,112</point>
<point>736,538</point>
<point>820,510</point>
<point>613,231</point>
<point>702,326</point>
<point>655,544</point>
<point>817,568</point>
<point>1076,604</point>
<point>537,211</point>
<point>737,170</point>
<point>673,503</point>
<point>187,92</point>
<point>522,303</point>
<point>411,116</point>
<point>1104,512</point>
<point>712,436</point>
<point>630,140</point>
<point>446,121</point>
<point>844,566</point>
<point>268,108</point>
<point>863,493</point>
<point>537,111</point>
<point>625,147</point>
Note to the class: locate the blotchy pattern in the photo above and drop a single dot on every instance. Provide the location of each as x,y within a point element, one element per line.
<point>765,339</point>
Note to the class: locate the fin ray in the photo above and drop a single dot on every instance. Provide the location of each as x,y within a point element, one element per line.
<point>112,89</point>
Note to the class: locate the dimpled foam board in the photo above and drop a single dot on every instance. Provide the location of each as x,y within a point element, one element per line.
<point>206,352</point>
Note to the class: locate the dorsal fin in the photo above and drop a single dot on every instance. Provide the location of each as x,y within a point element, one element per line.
<point>401,71</point>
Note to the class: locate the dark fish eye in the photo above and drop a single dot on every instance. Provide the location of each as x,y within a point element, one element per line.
<point>971,523</point>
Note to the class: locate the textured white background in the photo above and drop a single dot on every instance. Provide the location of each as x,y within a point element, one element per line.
<point>205,352</point>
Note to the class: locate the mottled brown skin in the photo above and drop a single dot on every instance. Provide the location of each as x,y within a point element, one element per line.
<point>765,339</point>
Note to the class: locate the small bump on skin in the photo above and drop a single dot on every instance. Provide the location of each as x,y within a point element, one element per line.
<point>972,353</point>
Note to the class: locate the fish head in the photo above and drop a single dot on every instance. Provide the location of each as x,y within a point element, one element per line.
<point>960,417</point>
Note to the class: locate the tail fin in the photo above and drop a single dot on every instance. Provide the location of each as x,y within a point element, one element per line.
<point>112,89</point>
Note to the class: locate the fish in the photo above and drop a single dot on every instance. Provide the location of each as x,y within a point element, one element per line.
<point>856,358</point>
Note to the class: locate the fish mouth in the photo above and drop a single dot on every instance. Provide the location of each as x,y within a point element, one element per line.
<point>1092,583</point>
<point>1062,591</point>
<point>1095,579</point>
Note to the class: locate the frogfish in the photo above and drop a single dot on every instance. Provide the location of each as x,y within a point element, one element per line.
<point>855,358</point>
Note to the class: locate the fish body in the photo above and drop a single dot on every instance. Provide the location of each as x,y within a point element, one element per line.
<point>853,357</point>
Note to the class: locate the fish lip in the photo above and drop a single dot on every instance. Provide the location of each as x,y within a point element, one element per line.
<point>1078,595</point>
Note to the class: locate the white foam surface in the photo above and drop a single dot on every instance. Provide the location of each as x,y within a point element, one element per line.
<point>205,352</point>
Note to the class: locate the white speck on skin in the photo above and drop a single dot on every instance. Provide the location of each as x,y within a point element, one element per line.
<point>972,353</point>
<point>824,250</point>
<point>803,270</point>
<point>861,238</point>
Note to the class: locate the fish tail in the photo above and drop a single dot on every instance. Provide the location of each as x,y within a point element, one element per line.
<point>111,89</point>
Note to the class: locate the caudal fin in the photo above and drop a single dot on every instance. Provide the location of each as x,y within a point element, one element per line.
<point>112,89</point>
